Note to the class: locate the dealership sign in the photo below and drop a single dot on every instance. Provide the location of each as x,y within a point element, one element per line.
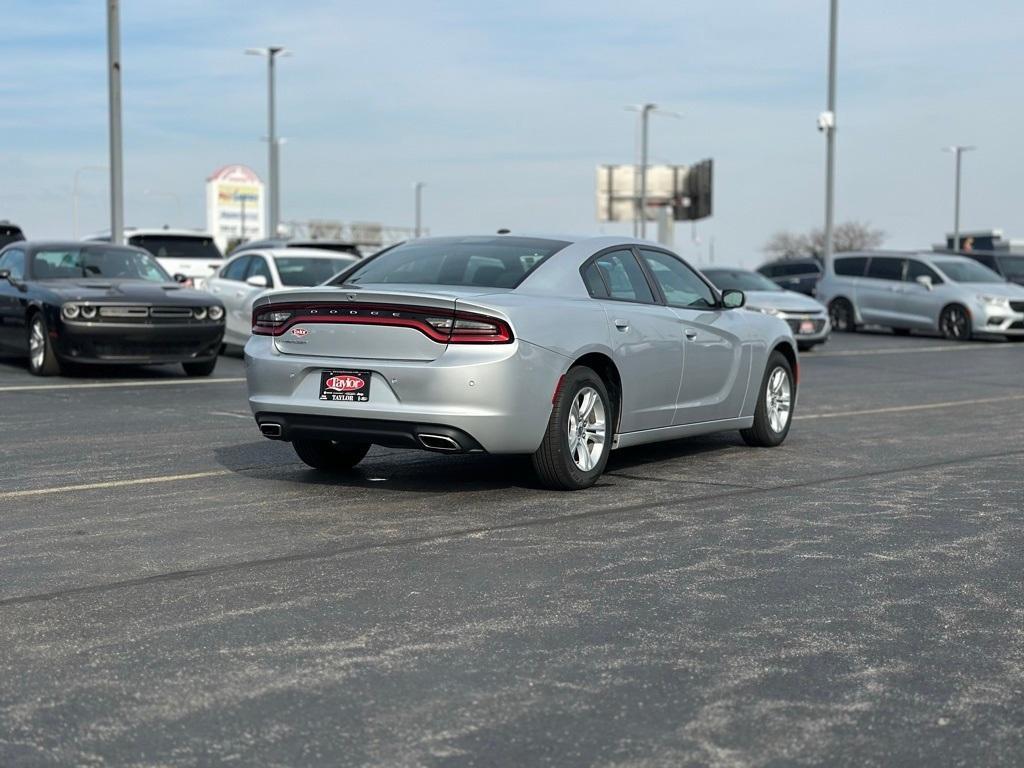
<point>234,205</point>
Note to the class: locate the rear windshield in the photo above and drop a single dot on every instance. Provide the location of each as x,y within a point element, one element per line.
<point>309,270</point>
<point>487,262</point>
<point>178,246</point>
<point>967,271</point>
<point>104,261</point>
<point>739,279</point>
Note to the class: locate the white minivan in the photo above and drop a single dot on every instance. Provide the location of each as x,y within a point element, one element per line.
<point>190,255</point>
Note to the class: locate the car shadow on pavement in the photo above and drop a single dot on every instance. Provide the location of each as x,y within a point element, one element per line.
<point>424,472</point>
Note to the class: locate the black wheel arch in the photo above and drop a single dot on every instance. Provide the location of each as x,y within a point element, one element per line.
<point>605,367</point>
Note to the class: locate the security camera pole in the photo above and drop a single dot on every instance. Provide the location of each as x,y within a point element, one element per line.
<point>273,175</point>
<point>958,150</point>
<point>114,93</point>
<point>827,123</point>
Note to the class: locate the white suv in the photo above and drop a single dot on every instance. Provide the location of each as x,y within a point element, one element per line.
<point>188,253</point>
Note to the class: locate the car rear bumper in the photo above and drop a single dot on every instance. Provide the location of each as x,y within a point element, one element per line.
<point>490,397</point>
<point>118,343</point>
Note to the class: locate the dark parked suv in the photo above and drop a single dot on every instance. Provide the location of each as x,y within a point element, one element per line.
<point>800,275</point>
<point>1009,265</point>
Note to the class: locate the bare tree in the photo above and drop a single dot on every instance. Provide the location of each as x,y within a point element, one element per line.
<point>848,236</point>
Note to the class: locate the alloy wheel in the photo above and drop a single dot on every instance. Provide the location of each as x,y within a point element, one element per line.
<point>955,323</point>
<point>778,400</point>
<point>587,428</point>
<point>37,344</point>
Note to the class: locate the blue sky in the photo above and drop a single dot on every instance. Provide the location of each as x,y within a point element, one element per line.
<point>505,109</point>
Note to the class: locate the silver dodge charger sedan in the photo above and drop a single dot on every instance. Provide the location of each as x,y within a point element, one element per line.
<point>560,348</point>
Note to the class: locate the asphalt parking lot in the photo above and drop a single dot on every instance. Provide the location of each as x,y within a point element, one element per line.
<point>176,590</point>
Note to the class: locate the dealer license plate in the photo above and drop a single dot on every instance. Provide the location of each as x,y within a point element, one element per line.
<point>345,386</point>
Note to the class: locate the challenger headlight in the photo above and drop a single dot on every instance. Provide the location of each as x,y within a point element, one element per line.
<point>216,313</point>
<point>88,312</point>
<point>199,313</point>
<point>70,311</point>
<point>1002,302</point>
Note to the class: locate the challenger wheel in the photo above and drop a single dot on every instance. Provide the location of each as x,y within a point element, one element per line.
<point>575,448</point>
<point>774,411</point>
<point>42,360</point>
<point>329,455</point>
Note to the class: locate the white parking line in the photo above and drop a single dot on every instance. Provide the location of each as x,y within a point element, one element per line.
<point>902,408</point>
<point>113,484</point>
<point>979,347</point>
<point>112,384</point>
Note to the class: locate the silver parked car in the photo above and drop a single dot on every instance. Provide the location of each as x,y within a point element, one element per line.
<point>956,296</point>
<point>562,348</point>
<point>807,318</point>
<point>249,273</point>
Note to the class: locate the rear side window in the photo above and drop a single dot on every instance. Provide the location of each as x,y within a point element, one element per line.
<point>885,268</point>
<point>487,262</point>
<point>594,282</point>
<point>851,266</point>
<point>623,277</point>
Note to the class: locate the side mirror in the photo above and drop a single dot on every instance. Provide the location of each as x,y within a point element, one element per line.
<point>924,280</point>
<point>257,281</point>
<point>5,274</point>
<point>733,298</point>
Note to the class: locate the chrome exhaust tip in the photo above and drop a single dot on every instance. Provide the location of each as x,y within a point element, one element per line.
<point>271,430</point>
<point>439,443</point>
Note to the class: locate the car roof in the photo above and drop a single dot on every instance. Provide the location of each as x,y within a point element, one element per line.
<point>310,253</point>
<point>36,245</point>
<point>176,232</point>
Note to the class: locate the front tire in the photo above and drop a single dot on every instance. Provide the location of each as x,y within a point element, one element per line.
<point>330,456</point>
<point>577,442</point>
<point>200,369</point>
<point>42,359</point>
<point>955,323</point>
<point>774,411</point>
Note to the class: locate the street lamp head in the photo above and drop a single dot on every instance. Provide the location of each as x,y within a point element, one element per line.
<point>273,51</point>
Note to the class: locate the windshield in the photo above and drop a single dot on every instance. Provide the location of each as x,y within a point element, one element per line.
<point>97,261</point>
<point>309,270</point>
<point>967,271</point>
<point>739,279</point>
<point>1012,266</point>
<point>178,246</point>
<point>487,262</point>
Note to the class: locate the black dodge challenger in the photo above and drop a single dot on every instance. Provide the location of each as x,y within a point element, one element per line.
<point>64,303</point>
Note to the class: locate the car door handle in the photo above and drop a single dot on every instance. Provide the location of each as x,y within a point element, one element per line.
<point>690,334</point>
<point>622,325</point>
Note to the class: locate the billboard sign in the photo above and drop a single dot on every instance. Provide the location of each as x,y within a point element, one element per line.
<point>683,188</point>
<point>235,205</point>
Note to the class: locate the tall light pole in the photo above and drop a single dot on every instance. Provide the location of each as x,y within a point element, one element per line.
<point>645,111</point>
<point>958,150</point>
<point>114,96</point>
<point>273,170</point>
<point>418,191</point>
<point>74,194</point>
<point>827,124</point>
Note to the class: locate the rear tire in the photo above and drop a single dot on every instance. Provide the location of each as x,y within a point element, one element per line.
<point>774,412</point>
<point>955,323</point>
<point>578,439</point>
<point>42,359</point>
<point>330,456</point>
<point>841,314</point>
<point>200,369</point>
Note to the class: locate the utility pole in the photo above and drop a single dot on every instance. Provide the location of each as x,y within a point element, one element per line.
<point>273,168</point>
<point>827,123</point>
<point>418,187</point>
<point>957,150</point>
<point>114,95</point>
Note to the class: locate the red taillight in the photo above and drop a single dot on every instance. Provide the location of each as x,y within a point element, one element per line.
<point>444,327</point>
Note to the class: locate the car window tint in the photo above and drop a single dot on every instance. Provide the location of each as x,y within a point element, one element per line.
<point>14,261</point>
<point>236,269</point>
<point>885,268</point>
<point>259,268</point>
<point>594,282</point>
<point>916,269</point>
<point>851,266</point>
<point>680,284</point>
<point>624,278</point>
